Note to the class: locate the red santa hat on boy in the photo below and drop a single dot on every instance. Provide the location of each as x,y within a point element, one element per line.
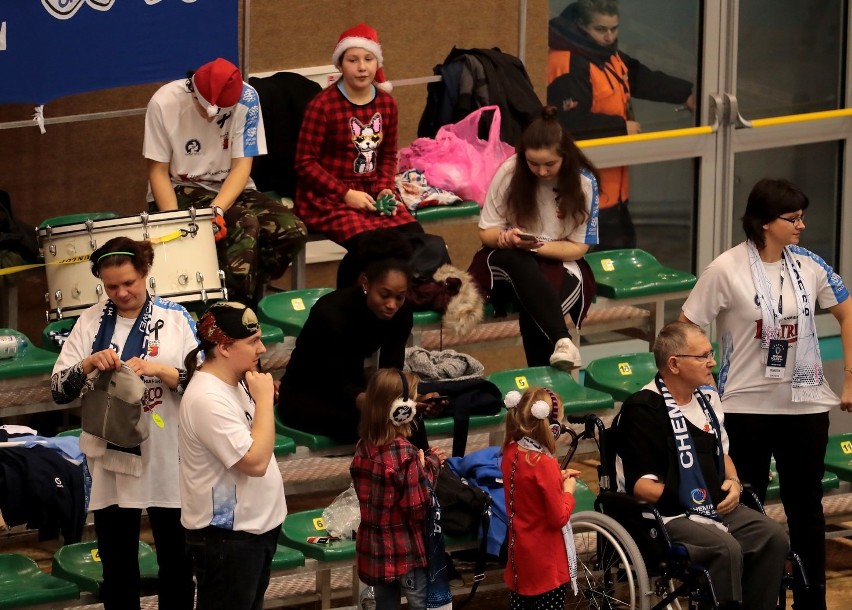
<point>218,84</point>
<point>364,37</point>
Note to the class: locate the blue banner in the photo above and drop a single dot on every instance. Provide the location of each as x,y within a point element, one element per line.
<point>52,48</point>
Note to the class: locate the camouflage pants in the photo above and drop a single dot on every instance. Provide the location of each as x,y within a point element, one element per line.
<point>263,238</point>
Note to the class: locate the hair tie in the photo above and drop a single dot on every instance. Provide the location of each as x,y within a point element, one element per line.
<point>512,399</point>
<point>540,409</point>
<point>103,256</point>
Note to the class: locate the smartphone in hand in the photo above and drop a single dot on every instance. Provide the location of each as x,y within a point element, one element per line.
<point>527,237</point>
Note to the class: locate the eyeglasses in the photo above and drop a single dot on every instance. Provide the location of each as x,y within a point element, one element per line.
<point>793,220</point>
<point>707,356</point>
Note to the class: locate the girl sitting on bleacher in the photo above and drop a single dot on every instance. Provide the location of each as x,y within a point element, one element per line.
<point>540,217</point>
<point>389,474</point>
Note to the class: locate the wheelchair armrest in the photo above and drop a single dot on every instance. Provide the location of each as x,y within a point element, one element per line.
<point>750,499</point>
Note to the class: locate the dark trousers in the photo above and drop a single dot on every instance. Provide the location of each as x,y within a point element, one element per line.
<point>615,228</point>
<point>542,307</point>
<point>798,443</point>
<point>117,530</point>
<point>350,266</point>
<point>232,568</point>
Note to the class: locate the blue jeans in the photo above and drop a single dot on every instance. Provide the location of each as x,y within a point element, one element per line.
<point>412,585</point>
<point>231,568</point>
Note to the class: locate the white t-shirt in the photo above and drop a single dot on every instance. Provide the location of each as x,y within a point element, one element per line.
<point>725,292</point>
<point>158,484</point>
<point>200,153</point>
<point>549,226</point>
<point>215,433</point>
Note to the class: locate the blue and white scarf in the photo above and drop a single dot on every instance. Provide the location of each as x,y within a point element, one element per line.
<point>808,375</point>
<point>692,490</point>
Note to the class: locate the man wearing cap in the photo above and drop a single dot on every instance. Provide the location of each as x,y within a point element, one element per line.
<point>232,496</point>
<point>201,134</point>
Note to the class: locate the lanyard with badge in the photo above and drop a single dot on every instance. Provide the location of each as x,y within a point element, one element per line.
<point>776,357</point>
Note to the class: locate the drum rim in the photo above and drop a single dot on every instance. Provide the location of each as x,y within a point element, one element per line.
<point>122,221</point>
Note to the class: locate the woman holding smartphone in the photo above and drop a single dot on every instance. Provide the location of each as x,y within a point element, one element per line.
<point>540,217</point>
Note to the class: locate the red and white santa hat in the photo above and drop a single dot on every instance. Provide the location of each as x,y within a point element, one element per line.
<point>218,84</point>
<point>365,37</point>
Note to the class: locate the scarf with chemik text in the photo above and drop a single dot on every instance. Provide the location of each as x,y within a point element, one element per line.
<point>692,490</point>
<point>808,374</point>
<point>567,531</point>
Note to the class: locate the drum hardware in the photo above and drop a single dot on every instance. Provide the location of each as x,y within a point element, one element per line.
<point>76,292</point>
<point>199,277</point>
<point>152,282</point>
<point>144,218</point>
<point>90,227</point>
<point>183,279</point>
<point>49,231</point>
<point>99,290</point>
<point>221,275</point>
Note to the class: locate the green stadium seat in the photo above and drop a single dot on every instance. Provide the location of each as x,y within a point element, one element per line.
<point>79,563</point>
<point>314,442</point>
<point>286,558</point>
<point>65,324</point>
<point>584,497</point>
<point>289,310</point>
<point>463,209</point>
<point>296,529</point>
<point>622,274</point>
<point>620,376</point>
<point>22,583</point>
<point>284,445</point>
<point>35,361</point>
<point>838,455</point>
<point>576,398</point>
<point>773,491</point>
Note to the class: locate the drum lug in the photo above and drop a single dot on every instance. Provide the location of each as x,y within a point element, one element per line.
<point>199,277</point>
<point>152,282</point>
<point>90,226</point>
<point>191,211</point>
<point>144,218</point>
<point>222,282</point>
<point>99,290</point>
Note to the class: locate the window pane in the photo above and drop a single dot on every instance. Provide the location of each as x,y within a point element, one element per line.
<point>662,203</point>
<point>789,56</point>
<point>663,36</point>
<point>814,168</point>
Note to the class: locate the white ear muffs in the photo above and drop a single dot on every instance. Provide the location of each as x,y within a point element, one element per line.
<point>403,409</point>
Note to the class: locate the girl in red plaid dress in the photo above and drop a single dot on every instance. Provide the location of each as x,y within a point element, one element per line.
<point>347,153</point>
<point>389,474</point>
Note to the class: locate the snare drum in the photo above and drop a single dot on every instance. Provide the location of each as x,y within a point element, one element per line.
<point>185,266</point>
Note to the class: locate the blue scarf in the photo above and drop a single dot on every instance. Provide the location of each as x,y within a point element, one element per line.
<point>692,490</point>
<point>135,344</point>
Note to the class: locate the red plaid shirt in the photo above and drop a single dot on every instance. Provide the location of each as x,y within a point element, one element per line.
<point>334,156</point>
<point>391,488</point>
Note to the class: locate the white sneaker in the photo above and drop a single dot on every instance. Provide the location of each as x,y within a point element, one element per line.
<point>566,356</point>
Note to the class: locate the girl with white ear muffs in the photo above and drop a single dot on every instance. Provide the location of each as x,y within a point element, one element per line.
<point>391,477</point>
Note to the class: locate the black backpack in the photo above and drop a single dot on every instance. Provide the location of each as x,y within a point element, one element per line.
<point>464,508</point>
<point>16,237</point>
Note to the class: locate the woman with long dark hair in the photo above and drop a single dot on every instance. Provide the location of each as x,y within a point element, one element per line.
<point>539,219</point>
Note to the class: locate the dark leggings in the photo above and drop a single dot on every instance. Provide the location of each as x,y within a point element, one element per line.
<point>350,265</point>
<point>117,530</point>
<point>798,443</point>
<point>542,307</point>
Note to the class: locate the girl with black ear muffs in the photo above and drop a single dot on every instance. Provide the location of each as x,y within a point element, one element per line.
<point>390,476</point>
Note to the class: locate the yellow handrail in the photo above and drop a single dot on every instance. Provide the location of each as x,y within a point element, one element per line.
<point>800,118</point>
<point>645,137</point>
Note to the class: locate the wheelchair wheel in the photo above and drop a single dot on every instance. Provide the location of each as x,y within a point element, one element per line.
<point>610,571</point>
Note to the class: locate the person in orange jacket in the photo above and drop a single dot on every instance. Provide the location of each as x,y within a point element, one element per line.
<point>591,82</point>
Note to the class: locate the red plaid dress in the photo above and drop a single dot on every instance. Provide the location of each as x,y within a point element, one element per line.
<point>391,488</point>
<point>335,154</point>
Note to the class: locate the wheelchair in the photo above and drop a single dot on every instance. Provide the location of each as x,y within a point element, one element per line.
<point>625,559</point>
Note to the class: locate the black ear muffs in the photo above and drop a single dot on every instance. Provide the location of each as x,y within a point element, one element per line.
<point>556,427</point>
<point>403,409</point>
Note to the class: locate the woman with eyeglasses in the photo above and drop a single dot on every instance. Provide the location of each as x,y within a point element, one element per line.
<point>762,295</point>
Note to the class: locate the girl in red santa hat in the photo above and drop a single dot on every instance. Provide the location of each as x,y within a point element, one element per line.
<point>347,153</point>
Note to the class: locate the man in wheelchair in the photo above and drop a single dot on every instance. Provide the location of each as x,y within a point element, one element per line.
<point>673,449</point>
